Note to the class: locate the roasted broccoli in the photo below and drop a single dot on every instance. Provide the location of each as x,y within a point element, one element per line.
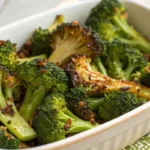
<point>40,77</point>
<point>121,60</point>
<point>9,115</point>
<point>117,103</point>
<point>72,38</point>
<point>78,102</point>
<point>81,73</point>
<point>41,38</point>
<point>109,20</point>
<point>142,76</point>
<point>145,78</point>
<point>8,56</point>
<point>7,140</point>
<point>54,121</point>
<point>106,107</point>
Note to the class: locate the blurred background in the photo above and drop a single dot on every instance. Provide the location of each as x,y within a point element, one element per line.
<point>12,10</point>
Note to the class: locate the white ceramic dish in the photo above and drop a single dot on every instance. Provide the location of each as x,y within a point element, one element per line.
<point>115,134</point>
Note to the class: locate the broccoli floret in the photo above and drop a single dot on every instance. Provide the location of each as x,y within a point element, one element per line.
<point>117,103</point>
<point>40,40</point>
<point>77,102</point>
<point>122,60</point>
<point>54,121</point>
<point>81,73</point>
<point>72,38</point>
<point>9,115</point>
<point>109,20</point>
<point>7,140</point>
<point>142,76</point>
<point>8,55</point>
<point>9,58</point>
<point>40,77</point>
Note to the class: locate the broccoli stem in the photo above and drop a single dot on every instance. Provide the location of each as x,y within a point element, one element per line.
<point>33,99</point>
<point>128,71</point>
<point>14,122</point>
<point>94,103</point>
<point>100,66</point>
<point>22,60</point>
<point>137,38</point>
<point>77,124</point>
<point>2,100</point>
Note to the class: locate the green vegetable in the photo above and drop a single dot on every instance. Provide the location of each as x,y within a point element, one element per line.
<point>9,58</point>
<point>81,73</point>
<point>40,77</point>
<point>7,140</point>
<point>54,121</point>
<point>109,20</point>
<point>41,38</point>
<point>9,115</point>
<point>121,60</point>
<point>117,103</point>
<point>72,38</point>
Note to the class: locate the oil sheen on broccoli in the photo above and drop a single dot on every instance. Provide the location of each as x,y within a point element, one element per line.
<point>109,19</point>
<point>54,120</point>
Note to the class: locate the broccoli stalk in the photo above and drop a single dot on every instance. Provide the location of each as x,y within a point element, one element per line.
<point>99,65</point>
<point>9,115</point>
<point>33,98</point>
<point>40,77</point>
<point>81,40</point>
<point>81,73</point>
<point>54,121</point>
<point>109,19</point>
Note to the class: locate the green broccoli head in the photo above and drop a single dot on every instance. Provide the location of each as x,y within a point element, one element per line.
<point>40,42</point>
<point>118,103</point>
<point>109,20</point>
<point>121,60</point>
<point>40,72</point>
<point>54,121</point>
<point>8,55</point>
<point>7,140</point>
<point>135,62</point>
<point>143,76</point>
<point>73,38</point>
<point>77,102</point>
<point>47,123</point>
